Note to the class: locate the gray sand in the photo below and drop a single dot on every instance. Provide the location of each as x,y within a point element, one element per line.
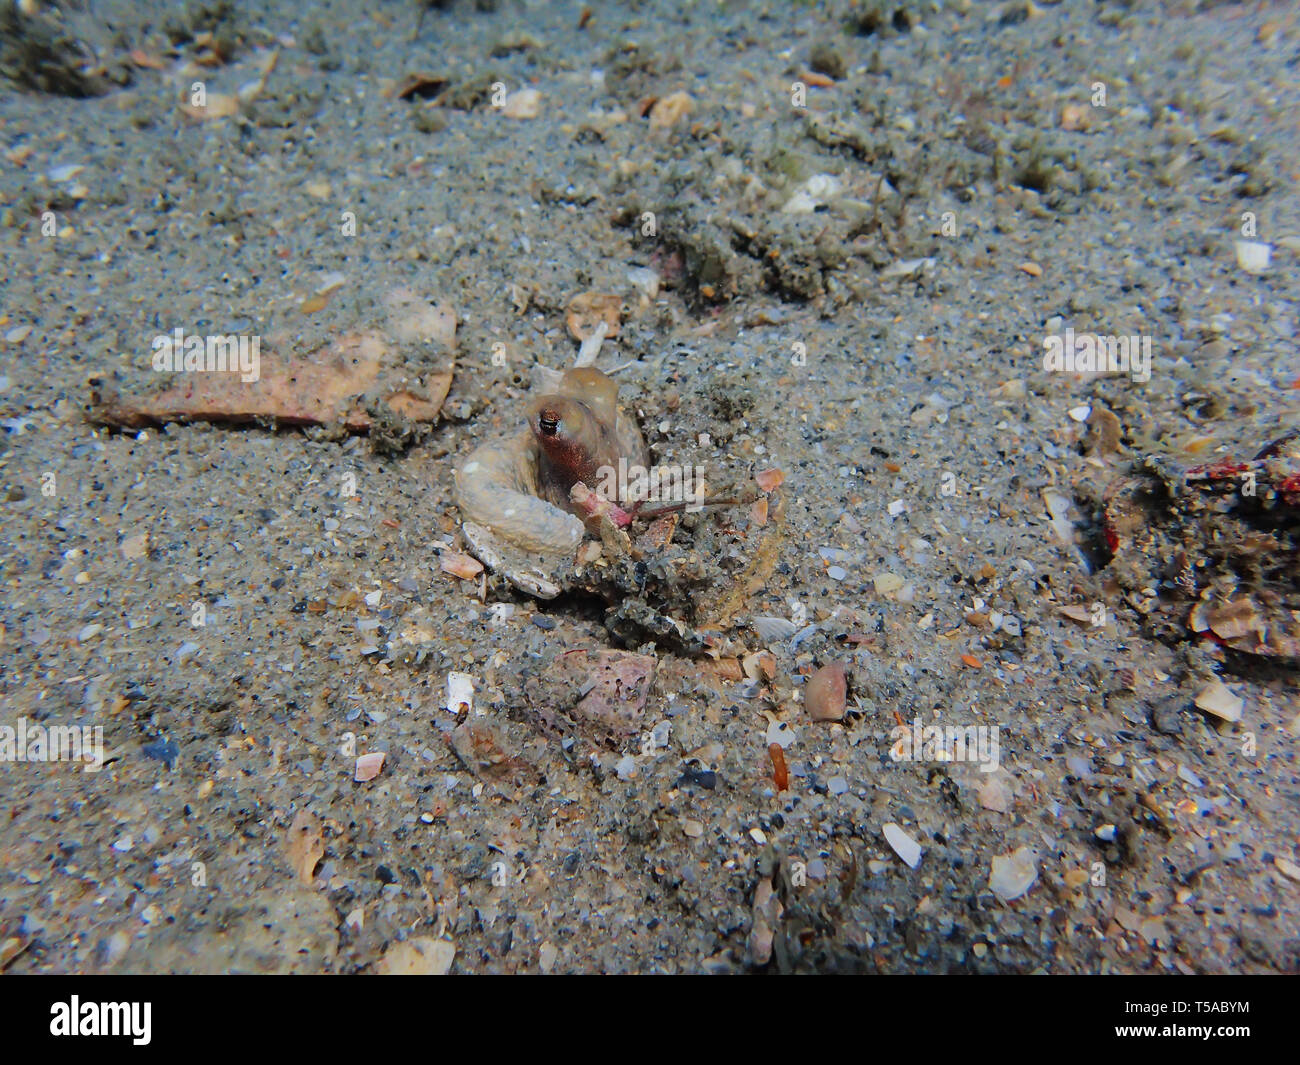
<point>795,327</point>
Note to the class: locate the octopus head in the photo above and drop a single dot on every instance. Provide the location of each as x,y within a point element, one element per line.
<point>568,436</point>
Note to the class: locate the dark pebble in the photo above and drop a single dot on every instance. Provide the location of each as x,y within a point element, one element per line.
<point>1167,715</point>
<point>162,750</point>
<point>704,778</point>
<point>543,622</point>
<point>826,60</point>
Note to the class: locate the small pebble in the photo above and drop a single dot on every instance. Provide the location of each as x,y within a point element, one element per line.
<point>136,546</point>
<point>115,947</point>
<point>1254,256</point>
<point>1013,874</point>
<point>994,794</point>
<point>668,110</point>
<point>647,281</point>
<point>827,693</point>
<point>887,583</point>
<point>526,103</point>
<point>704,778</point>
<point>162,750</point>
<point>826,59</point>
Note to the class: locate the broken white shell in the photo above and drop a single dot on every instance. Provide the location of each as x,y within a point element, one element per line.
<point>1218,699</point>
<point>904,845</point>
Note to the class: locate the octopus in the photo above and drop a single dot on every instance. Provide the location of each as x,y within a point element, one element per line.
<point>516,495</point>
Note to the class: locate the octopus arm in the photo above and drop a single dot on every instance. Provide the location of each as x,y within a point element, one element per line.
<point>496,486</point>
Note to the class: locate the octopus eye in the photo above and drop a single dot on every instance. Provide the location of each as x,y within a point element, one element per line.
<point>549,422</point>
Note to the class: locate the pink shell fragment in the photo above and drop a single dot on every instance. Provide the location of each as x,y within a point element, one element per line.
<point>368,767</point>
